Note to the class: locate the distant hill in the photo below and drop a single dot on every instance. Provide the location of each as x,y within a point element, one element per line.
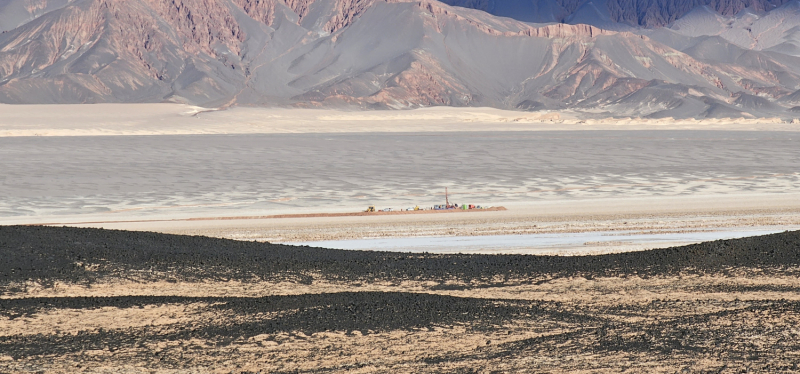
<point>394,54</point>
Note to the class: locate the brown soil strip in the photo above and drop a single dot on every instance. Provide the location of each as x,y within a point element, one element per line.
<point>300,215</point>
<point>357,214</point>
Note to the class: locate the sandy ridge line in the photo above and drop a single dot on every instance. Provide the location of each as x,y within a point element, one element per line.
<point>179,119</point>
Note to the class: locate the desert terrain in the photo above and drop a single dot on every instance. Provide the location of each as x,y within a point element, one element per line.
<point>95,300</point>
<point>183,186</point>
<point>138,240</point>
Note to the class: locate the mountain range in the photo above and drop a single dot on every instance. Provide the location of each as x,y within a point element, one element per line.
<point>596,58</point>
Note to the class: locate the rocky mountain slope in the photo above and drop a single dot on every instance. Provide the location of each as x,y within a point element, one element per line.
<point>378,54</point>
<point>14,13</point>
<point>777,31</point>
<point>648,13</point>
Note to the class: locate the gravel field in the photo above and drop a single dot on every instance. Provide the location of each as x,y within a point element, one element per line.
<point>93,300</point>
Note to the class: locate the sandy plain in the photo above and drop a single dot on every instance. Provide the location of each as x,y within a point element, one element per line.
<point>663,215</point>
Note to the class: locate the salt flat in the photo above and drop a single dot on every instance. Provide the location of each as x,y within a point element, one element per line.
<point>142,177</point>
<point>154,170</point>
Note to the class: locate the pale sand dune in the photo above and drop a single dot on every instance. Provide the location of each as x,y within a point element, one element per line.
<point>178,119</point>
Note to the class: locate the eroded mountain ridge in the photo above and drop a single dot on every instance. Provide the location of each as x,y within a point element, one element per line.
<point>390,54</point>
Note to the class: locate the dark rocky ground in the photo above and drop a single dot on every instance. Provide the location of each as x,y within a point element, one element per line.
<point>115,301</point>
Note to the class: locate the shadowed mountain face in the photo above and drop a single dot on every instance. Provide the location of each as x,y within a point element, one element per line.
<point>647,13</point>
<point>378,54</point>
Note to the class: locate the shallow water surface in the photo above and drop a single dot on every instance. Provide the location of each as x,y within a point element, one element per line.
<point>565,244</point>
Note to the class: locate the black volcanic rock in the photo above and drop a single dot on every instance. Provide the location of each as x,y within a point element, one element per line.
<point>730,300</point>
<point>77,255</point>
